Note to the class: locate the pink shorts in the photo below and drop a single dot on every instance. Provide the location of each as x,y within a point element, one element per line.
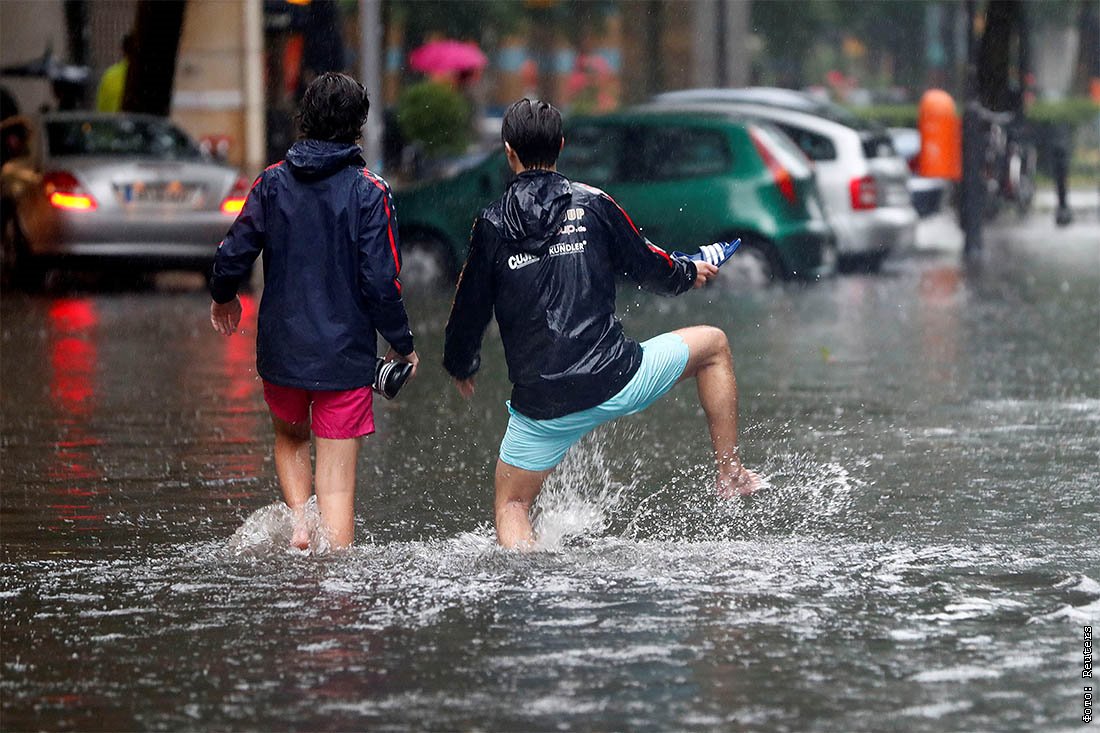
<point>337,415</point>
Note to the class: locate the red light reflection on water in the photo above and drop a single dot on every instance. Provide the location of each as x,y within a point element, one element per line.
<point>72,354</point>
<point>236,392</point>
<point>939,292</point>
<point>74,360</point>
<point>240,356</point>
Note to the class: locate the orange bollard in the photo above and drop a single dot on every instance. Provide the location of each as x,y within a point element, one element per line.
<point>940,136</point>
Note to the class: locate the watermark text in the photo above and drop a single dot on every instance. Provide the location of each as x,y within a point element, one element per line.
<point>1086,674</point>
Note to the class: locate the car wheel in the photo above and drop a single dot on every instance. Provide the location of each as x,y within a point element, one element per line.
<point>426,262</point>
<point>752,266</point>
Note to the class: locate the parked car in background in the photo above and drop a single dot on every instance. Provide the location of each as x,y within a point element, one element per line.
<point>926,194</point>
<point>117,191</point>
<point>863,181</point>
<point>435,216</point>
<point>686,179</point>
<point>777,97</point>
<point>690,178</point>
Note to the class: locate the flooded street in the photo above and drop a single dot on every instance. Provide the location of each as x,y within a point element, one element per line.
<point>924,560</point>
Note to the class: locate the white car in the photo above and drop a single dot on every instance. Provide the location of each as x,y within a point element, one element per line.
<point>862,180</point>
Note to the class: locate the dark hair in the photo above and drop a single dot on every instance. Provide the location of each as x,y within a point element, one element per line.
<point>334,107</point>
<point>129,45</point>
<point>533,130</point>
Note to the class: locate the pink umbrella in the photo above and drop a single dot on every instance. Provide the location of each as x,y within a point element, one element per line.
<point>444,57</point>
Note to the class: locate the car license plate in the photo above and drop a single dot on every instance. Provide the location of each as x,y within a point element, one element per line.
<point>158,192</point>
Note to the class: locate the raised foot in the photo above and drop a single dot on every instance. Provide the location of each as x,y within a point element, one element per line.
<point>743,483</point>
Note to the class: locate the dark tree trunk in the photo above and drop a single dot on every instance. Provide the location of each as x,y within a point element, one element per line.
<point>1002,40</point>
<point>149,81</point>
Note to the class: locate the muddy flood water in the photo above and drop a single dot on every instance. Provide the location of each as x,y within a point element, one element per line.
<point>925,559</point>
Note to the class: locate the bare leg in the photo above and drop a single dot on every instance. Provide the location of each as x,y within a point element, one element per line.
<point>336,462</point>
<point>292,466</point>
<point>711,364</point>
<point>516,489</point>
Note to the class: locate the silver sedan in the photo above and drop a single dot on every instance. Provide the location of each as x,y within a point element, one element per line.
<point>116,190</point>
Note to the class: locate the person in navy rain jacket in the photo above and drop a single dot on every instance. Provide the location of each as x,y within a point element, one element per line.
<point>543,259</point>
<point>327,229</point>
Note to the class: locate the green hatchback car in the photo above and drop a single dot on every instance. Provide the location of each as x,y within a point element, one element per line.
<point>685,178</point>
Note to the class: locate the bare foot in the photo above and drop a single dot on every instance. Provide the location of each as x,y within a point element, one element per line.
<point>300,538</point>
<point>742,483</point>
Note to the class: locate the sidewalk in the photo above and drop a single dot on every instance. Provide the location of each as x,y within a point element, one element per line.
<point>941,231</point>
<point>1080,200</point>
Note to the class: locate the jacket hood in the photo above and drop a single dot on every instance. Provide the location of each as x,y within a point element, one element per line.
<point>533,208</point>
<point>313,159</point>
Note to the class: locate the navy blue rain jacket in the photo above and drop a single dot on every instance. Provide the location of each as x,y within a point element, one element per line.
<point>544,259</point>
<point>328,233</point>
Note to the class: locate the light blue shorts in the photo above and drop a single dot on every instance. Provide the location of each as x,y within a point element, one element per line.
<point>537,445</point>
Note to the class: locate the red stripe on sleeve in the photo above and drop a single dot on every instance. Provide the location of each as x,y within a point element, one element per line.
<point>260,177</point>
<point>652,248</point>
<point>389,223</point>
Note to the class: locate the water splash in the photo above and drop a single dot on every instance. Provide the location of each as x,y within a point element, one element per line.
<point>801,494</point>
<point>579,499</point>
<point>586,498</point>
<point>269,530</point>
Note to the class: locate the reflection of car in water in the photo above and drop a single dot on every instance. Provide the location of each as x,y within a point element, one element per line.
<point>116,190</point>
<point>685,180</point>
<point>862,180</point>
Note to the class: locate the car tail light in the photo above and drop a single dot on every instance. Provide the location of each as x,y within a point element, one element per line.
<point>65,192</point>
<point>782,177</point>
<point>234,202</point>
<point>864,193</point>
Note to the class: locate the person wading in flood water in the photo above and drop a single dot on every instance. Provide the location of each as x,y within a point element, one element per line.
<point>326,227</point>
<point>544,258</point>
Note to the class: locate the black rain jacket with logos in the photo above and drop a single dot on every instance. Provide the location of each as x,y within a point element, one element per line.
<point>327,230</point>
<point>544,258</point>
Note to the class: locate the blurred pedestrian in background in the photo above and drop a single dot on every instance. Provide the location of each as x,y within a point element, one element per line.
<point>112,85</point>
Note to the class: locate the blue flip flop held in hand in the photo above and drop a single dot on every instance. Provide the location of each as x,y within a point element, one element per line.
<point>715,254</point>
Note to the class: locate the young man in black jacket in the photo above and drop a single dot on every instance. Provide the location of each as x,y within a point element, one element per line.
<point>326,227</point>
<point>544,258</point>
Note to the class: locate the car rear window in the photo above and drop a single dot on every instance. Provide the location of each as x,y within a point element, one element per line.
<point>878,145</point>
<point>591,154</point>
<point>119,137</point>
<point>602,154</point>
<point>682,152</point>
<point>816,147</point>
<point>674,152</point>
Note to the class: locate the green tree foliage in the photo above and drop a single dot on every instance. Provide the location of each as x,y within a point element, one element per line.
<point>436,116</point>
<point>789,29</point>
<point>792,28</point>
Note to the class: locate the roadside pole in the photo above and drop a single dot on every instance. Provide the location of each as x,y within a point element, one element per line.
<point>255,134</point>
<point>370,71</point>
<point>972,193</point>
<point>255,117</point>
